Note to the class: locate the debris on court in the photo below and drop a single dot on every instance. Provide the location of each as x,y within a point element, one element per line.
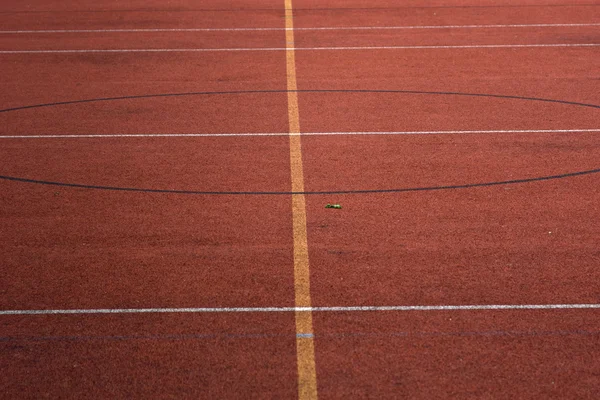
<point>333,206</point>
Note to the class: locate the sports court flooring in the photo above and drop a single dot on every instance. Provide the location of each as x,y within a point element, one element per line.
<point>165,167</point>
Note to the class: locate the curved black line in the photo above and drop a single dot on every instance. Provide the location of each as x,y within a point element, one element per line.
<point>327,192</point>
<point>400,190</point>
<point>145,96</point>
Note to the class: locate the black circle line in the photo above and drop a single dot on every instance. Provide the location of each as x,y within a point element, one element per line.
<point>240,92</point>
<point>401,190</point>
<point>325,192</point>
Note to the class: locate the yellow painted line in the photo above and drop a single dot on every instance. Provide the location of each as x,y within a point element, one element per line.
<point>305,345</point>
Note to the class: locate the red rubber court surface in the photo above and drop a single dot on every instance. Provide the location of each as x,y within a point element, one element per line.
<point>164,232</point>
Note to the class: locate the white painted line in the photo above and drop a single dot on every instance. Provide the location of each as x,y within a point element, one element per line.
<point>133,30</point>
<point>331,28</point>
<point>201,310</point>
<point>250,134</point>
<point>141,135</point>
<point>433,47</point>
<point>141,50</point>
<point>487,26</point>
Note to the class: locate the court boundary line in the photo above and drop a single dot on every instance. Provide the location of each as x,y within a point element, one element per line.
<point>297,9</point>
<point>316,28</point>
<point>305,340</point>
<point>280,134</point>
<point>342,334</point>
<point>325,48</point>
<point>313,309</point>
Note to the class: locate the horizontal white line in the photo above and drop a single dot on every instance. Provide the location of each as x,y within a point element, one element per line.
<point>483,26</point>
<point>331,28</point>
<point>473,46</point>
<point>304,309</point>
<point>142,135</point>
<point>141,50</point>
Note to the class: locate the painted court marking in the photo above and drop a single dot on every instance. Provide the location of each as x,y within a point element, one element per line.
<point>262,134</point>
<point>199,310</point>
<point>328,28</point>
<point>305,341</point>
<point>494,333</point>
<point>191,50</point>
